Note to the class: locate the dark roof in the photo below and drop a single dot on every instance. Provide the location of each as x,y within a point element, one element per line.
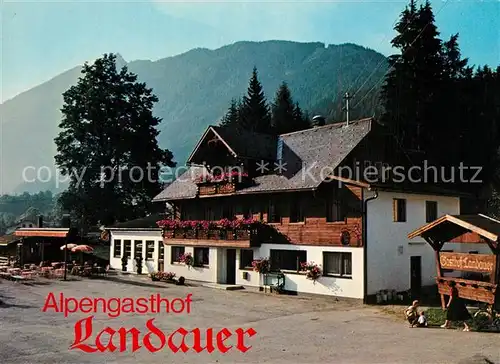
<point>147,223</point>
<point>309,155</point>
<point>449,227</point>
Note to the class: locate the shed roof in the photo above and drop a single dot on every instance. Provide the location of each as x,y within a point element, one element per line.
<point>449,227</point>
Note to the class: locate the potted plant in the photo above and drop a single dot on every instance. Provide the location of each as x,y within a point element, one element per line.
<point>187,259</point>
<point>169,277</point>
<point>261,265</point>
<point>124,262</point>
<point>156,276</point>
<point>313,271</point>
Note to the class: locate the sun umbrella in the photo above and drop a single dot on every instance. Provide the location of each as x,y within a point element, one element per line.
<point>70,246</point>
<point>82,248</point>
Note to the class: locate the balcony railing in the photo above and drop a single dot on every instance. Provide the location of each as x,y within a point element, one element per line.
<point>225,183</point>
<point>237,233</point>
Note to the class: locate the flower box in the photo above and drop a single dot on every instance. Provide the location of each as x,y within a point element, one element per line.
<point>202,234</point>
<point>190,234</point>
<point>228,187</point>
<point>242,234</point>
<point>168,234</point>
<point>207,190</point>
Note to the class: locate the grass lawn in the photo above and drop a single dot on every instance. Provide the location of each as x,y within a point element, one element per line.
<point>436,317</point>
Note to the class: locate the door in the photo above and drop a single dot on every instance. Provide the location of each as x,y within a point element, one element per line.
<point>415,276</point>
<point>230,266</point>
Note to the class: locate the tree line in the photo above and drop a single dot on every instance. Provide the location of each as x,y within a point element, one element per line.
<point>436,105</point>
<point>252,112</point>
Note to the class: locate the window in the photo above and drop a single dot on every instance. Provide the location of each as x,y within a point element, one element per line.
<point>247,210</point>
<point>127,248</point>
<point>161,250</point>
<point>150,248</point>
<point>335,210</point>
<point>246,258</point>
<point>209,213</point>
<point>31,225</point>
<point>137,248</point>
<point>201,256</point>
<point>337,264</point>
<point>296,210</point>
<point>431,208</point>
<point>287,259</point>
<point>273,214</point>
<point>117,251</point>
<point>399,210</point>
<point>177,252</point>
<point>228,212</point>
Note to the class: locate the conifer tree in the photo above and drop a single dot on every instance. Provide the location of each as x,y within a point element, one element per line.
<point>232,116</point>
<point>283,118</point>
<point>254,110</point>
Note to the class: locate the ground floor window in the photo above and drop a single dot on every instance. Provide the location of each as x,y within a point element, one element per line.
<point>127,248</point>
<point>117,250</point>
<point>201,256</point>
<point>150,248</point>
<point>137,248</point>
<point>287,259</point>
<point>338,264</point>
<point>246,258</point>
<point>177,253</point>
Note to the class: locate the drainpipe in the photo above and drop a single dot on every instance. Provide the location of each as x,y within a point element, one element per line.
<point>365,246</point>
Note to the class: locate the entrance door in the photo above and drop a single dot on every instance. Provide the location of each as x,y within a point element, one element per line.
<point>415,276</point>
<point>230,266</point>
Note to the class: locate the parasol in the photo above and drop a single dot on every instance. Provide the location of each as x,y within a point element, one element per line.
<point>82,248</point>
<point>69,246</point>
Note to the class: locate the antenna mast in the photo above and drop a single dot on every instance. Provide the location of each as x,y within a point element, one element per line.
<point>347,97</point>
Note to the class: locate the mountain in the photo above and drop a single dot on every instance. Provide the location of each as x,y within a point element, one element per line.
<point>194,90</point>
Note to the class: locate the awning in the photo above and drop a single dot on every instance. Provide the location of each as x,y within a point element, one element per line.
<point>42,232</point>
<point>8,239</point>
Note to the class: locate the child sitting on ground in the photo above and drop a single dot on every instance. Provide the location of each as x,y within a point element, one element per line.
<point>411,314</point>
<point>422,320</point>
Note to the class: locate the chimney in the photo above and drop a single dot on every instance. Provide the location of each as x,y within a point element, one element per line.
<point>40,221</point>
<point>318,120</point>
<point>66,221</point>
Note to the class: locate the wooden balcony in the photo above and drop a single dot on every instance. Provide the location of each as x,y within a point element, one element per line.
<point>220,188</point>
<point>215,237</point>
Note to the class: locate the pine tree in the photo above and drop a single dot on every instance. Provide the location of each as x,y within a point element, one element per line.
<point>254,111</point>
<point>108,146</point>
<point>232,116</point>
<point>283,120</point>
<point>300,120</point>
<point>414,80</point>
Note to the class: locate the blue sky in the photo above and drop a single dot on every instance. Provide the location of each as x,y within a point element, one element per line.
<point>41,39</point>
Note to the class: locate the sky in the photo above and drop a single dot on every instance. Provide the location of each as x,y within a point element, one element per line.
<point>41,39</point>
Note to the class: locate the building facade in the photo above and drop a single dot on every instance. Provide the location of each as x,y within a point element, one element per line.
<point>308,211</point>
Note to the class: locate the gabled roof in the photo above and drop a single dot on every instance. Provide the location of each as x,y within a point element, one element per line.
<point>309,154</point>
<point>144,223</point>
<point>240,143</point>
<point>449,227</point>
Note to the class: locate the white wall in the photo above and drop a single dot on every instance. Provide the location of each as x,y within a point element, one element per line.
<point>204,274</point>
<point>344,287</point>
<point>147,265</point>
<point>387,267</point>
